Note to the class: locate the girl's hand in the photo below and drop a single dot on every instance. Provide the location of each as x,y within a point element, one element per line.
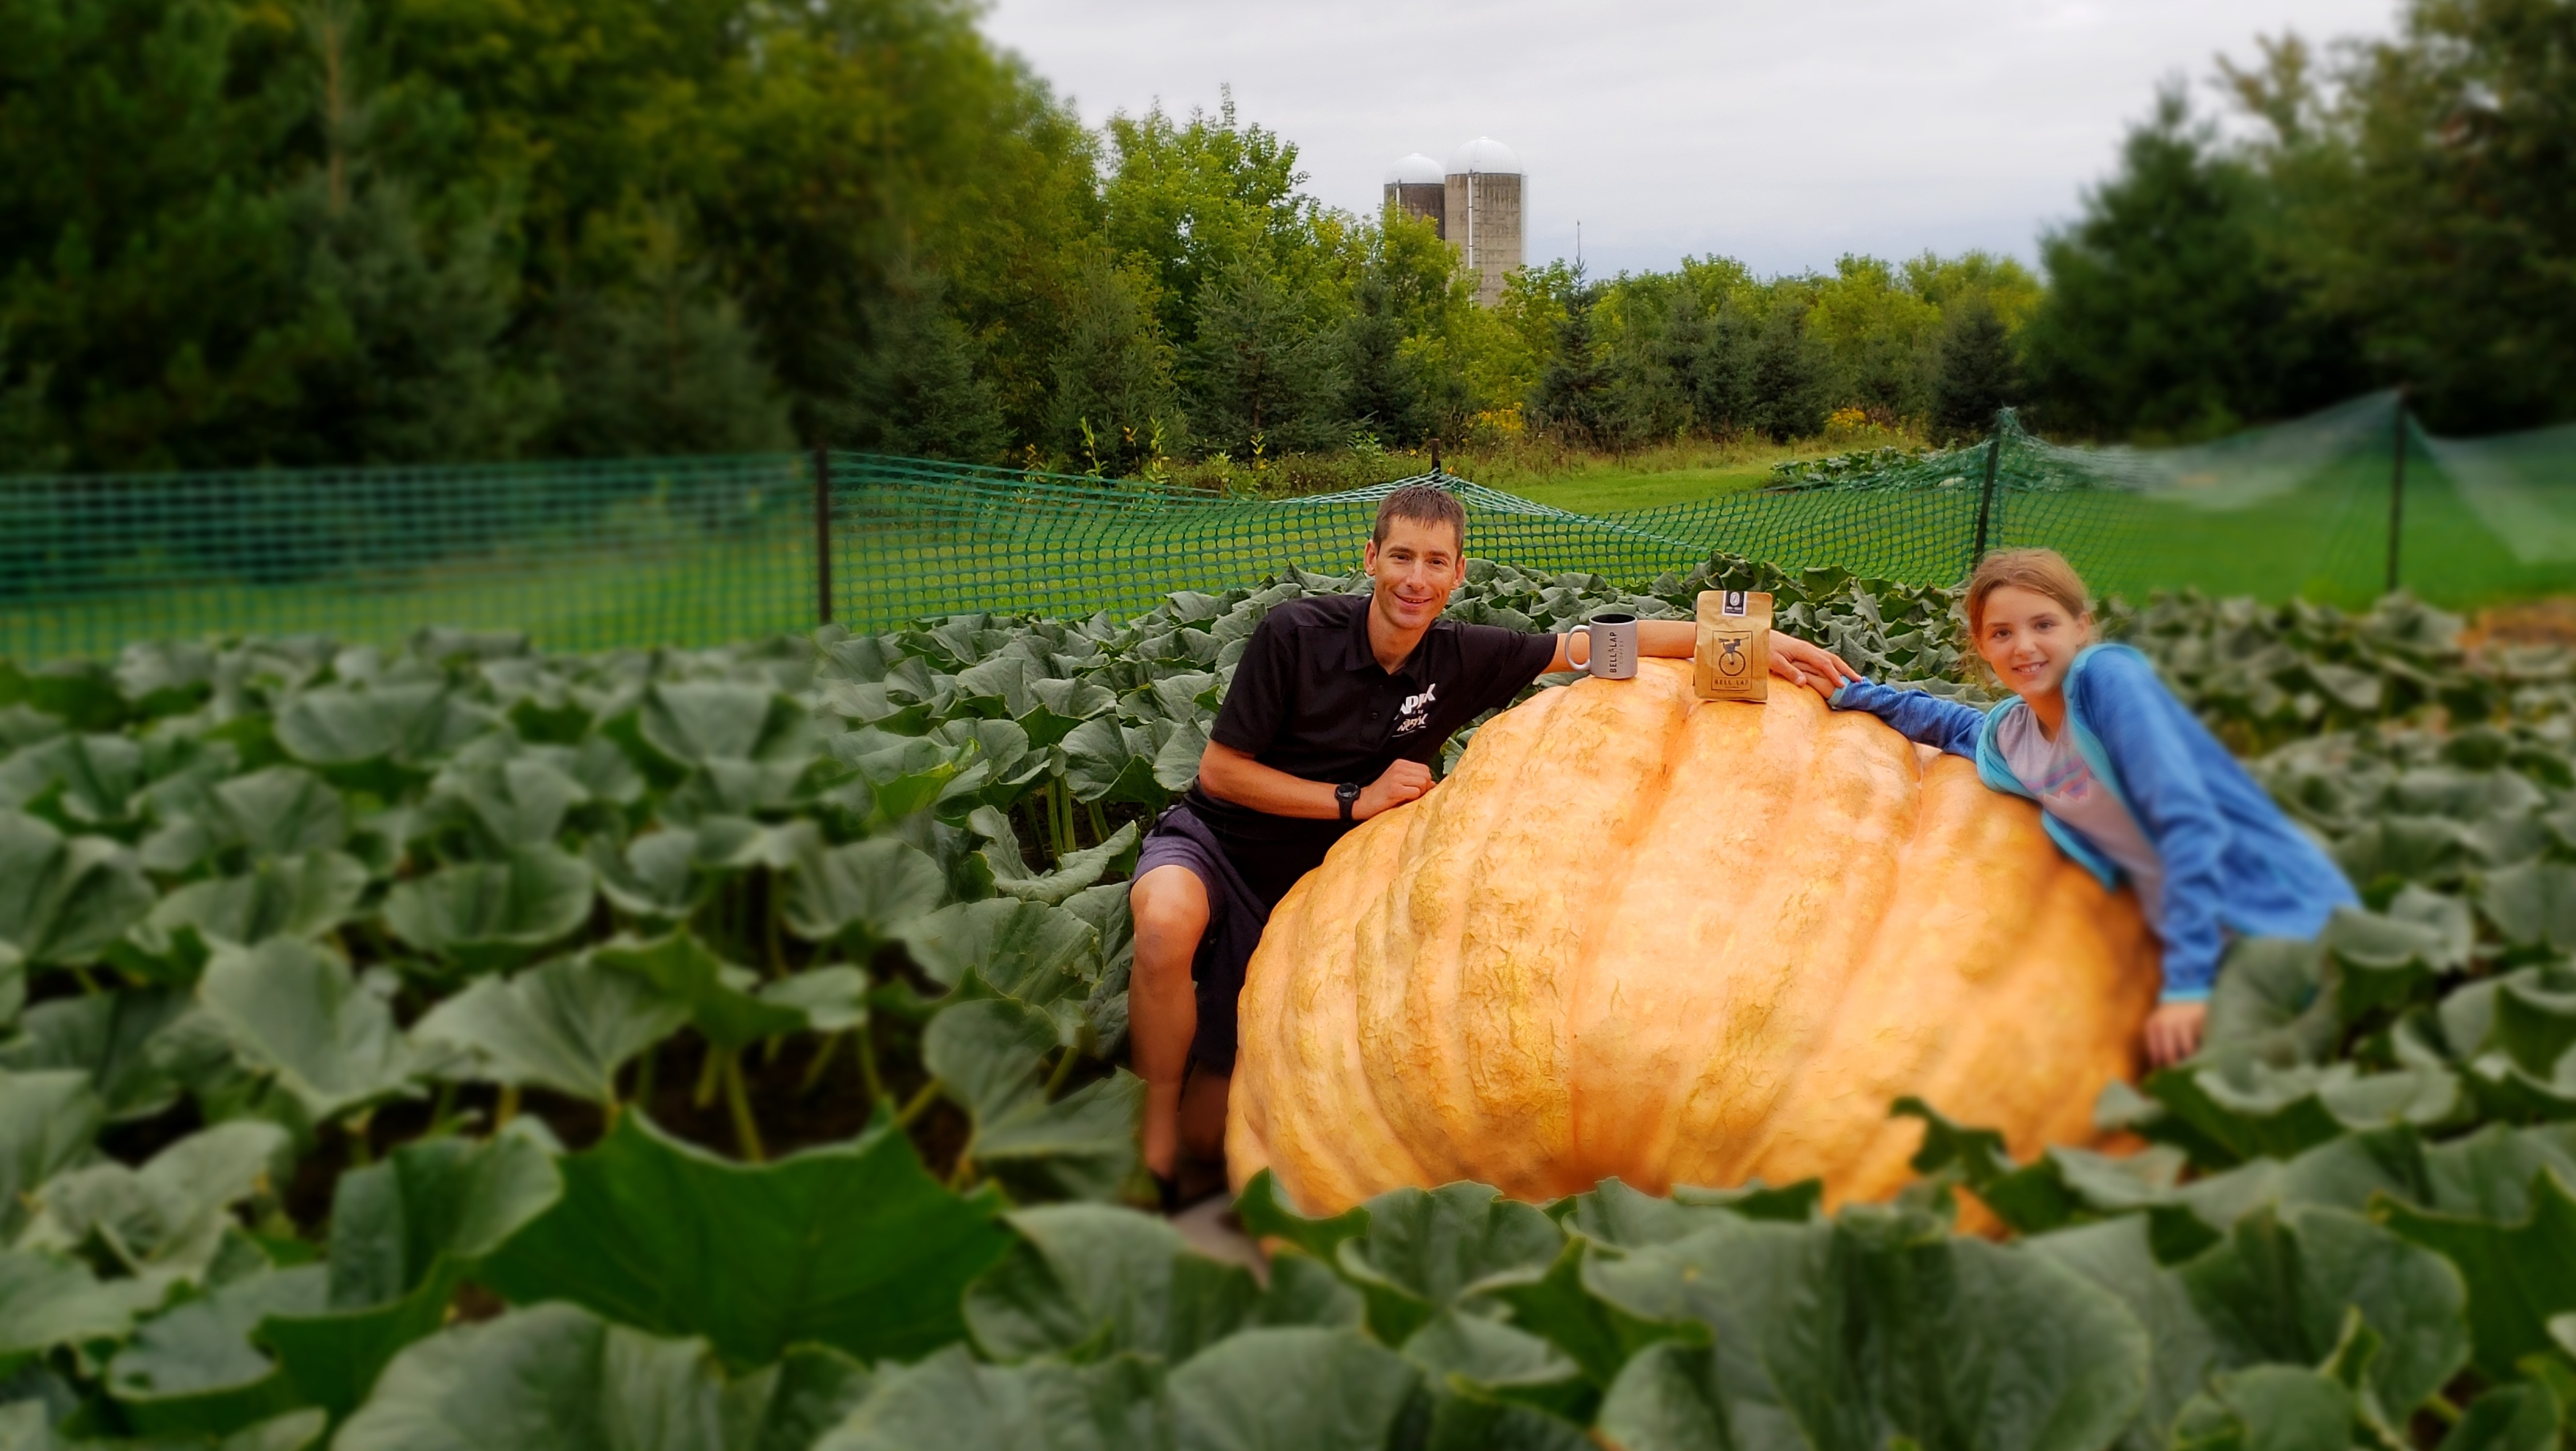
<point>2173,1032</point>
<point>1813,666</point>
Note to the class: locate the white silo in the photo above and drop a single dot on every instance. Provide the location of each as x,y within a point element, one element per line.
<point>1417,185</point>
<point>1483,203</point>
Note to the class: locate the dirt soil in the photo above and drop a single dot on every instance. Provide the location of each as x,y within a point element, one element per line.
<point>2541,622</point>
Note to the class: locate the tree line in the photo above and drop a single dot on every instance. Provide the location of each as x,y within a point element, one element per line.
<point>239,234</point>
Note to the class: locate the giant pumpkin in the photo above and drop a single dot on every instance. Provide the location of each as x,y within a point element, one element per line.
<point>1679,942</point>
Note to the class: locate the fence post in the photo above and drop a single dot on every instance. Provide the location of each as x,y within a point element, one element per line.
<point>823,536</point>
<point>1986,496</point>
<point>2396,486</point>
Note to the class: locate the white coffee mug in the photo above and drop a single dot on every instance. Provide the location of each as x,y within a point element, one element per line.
<point>1614,645</point>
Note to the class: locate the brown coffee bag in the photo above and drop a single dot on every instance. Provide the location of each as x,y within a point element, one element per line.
<point>1734,656</point>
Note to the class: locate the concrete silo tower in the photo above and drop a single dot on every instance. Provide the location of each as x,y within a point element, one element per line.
<point>1416,184</point>
<point>1484,188</point>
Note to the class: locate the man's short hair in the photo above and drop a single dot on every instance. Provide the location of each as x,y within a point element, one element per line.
<point>1423,504</point>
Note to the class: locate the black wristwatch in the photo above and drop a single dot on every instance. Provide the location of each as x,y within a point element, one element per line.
<point>1347,793</point>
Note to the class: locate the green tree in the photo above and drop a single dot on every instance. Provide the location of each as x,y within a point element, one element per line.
<point>1261,371</point>
<point>1184,203</point>
<point>663,365</point>
<point>1572,394</point>
<point>26,442</point>
<point>1978,372</point>
<point>914,388</point>
<point>1115,405</point>
<point>1789,371</point>
<point>2174,308</point>
<point>2433,199</point>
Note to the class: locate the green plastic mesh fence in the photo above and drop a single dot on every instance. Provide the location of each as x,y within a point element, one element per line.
<point>699,551</point>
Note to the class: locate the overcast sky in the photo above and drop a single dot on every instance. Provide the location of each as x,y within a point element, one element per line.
<point>1782,134</point>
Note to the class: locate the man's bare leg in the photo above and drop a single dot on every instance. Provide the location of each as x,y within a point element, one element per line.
<point>1170,906</point>
<point>1203,1114</point>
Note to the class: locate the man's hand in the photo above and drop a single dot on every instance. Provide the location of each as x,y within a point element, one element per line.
<point>2173,1032</point>
<point>1813,666</point>
<point>1404,781</point>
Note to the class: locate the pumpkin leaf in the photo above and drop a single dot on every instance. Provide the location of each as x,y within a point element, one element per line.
<point>989,1056</point>
<point>569,1024</point>
<point>720,997</point>
<point>280,811</point>
<point>48,1119</point>
<point>849,1245</point>
<point>1110,763</point>
<point>2519,1272</point>
<point>1292,1386</point>
<point>948,1400</point>
<point>1078,870</point>
<point>2249,1109</point>
<point>866,891</point>
<point>653,877</point>
<point>1878,1323</point>
<point>2269,1408</point>
<point>698,721</point>
<point>49,1300</point>
<point>63,900</point>
<point>299,1015</point>
<point>295,896</point>
<point>486,914</point>
<point>1668,1397</point>
<point>165,1223</point>
<point>402,1231</point>
<point>556,1375</point>
<point>411,724</point>
<point>106,1036</point>
<point>192,1369</point>
<point>1024,950</point>
<point>1087,1281</point>
<point>1425,1251</point>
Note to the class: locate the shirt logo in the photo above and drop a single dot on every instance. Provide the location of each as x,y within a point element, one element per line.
<point>1415,710</point>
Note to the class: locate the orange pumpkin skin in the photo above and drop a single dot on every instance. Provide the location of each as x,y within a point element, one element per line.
<point>1640,935</point>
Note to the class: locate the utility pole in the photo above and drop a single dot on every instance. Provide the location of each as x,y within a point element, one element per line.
<point>1986,496</point>
<point>822,536</point>
<point>2396,485</point>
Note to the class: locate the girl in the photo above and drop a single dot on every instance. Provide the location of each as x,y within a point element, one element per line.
<point>2130,783</point>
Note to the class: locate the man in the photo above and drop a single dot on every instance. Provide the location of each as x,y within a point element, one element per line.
<point>1337,710</point>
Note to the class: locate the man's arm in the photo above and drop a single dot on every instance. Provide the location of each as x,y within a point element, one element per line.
<point>1232,775</point>
<point>1792,659</point>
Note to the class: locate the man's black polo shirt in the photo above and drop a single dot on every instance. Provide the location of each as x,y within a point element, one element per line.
<point>1310,699</point>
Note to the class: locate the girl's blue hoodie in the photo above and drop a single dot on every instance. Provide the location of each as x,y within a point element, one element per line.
<point>2233,862</point>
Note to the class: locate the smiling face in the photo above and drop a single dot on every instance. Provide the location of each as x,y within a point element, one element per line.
<point>1415,571</point>
<point>2029,640</point>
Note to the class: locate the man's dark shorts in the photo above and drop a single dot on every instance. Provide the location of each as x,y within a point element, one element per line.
<point>1235,920</point>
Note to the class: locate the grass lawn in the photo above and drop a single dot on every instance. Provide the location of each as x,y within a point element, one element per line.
<point>1612,492</point>
<point>896,558</point>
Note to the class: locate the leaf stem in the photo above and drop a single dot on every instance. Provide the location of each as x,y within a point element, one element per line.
<point>1063,1070</point>
<point>868,1062</point>
<point>746,1133</point>
<point>822,1060</point>
<point>769,920</point>
<point>2444,1409</point>
<point>1099,821</point>
<point>442,1112</point>
<point>508,1108</point>
<point>918,1103</point>
<point>642,1093</point>
<point>362,1150</point>
<point>708,1067</point>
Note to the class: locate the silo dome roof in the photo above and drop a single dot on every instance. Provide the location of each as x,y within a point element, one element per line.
<point>1484,154</point>
<point>1414,170</point>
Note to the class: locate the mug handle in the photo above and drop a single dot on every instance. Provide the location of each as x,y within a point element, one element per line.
<point>1590,655</point>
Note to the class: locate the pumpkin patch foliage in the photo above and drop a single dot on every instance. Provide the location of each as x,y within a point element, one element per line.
<point>463,1046</point>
